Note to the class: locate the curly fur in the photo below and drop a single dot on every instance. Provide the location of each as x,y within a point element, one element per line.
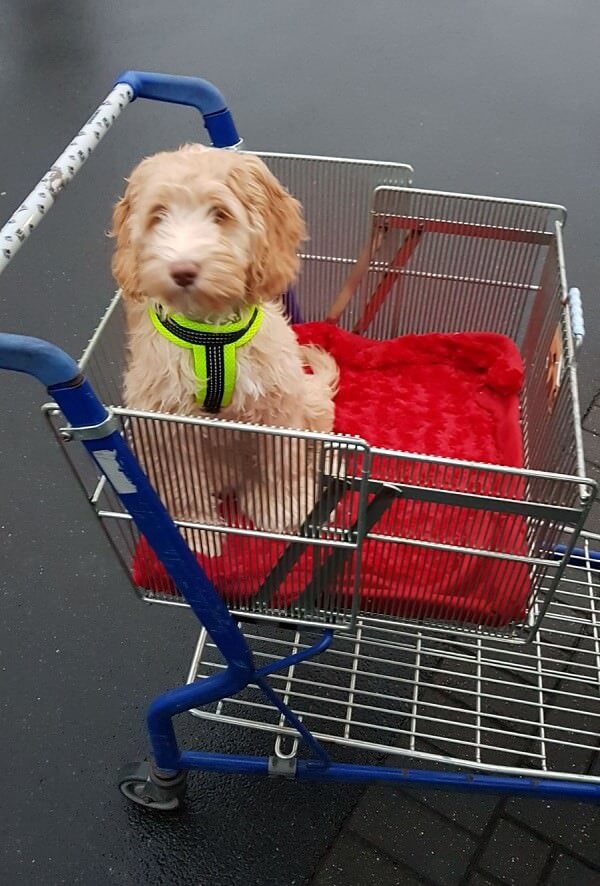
<point>225,215</point>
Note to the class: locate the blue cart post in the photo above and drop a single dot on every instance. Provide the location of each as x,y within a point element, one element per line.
<point>160,784</point>
<point>92,424</point>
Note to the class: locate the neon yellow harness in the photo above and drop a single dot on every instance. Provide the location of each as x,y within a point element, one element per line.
<point>213,350</point>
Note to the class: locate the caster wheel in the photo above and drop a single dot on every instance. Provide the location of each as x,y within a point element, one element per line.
<point>141,785</point>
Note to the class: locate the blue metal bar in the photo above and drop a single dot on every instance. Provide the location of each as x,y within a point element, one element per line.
<point>475,782</point>
<point>131,485</point>
<point>232,764</point>
<point>45,362</point>
<point>214,688</point>
<point>200,94</point>
<point>274,666</point>
<point>409,778</point>
<point>292,308</point>
<point>177,701</point>
<point>579,557</point>
<point>81,408</point>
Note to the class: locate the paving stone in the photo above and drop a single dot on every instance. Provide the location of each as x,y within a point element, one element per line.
<point>591,446</point>
<point>592,523</point>
<point>514,855</point>
<point>575,826</point>
<point>499,661</point>
<point>447,724</point>
<point>453,731</point>
<point>592,471</point>
<point>471,811</point>
<point>567,871</point>
<point>413,834</point>
<point>573,719</point>
<point>350,862</point>
<point>479,879</point>
<point>591,422</point>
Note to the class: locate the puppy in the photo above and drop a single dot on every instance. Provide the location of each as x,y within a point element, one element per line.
<point>209,238</point>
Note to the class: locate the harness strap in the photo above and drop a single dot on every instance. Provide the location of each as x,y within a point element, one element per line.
<point>213,350</point>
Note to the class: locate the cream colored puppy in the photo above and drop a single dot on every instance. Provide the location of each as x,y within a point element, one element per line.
<point>206,243</point>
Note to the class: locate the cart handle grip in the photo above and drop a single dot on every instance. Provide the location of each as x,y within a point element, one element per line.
<point>130,85</point>
<point>576,312</point>
<point>38,358</point>
<point>193,91</point>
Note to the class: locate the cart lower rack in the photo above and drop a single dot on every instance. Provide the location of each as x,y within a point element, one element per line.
<point>472,703</point>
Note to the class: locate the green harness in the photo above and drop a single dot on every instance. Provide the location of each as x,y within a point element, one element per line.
<point>213,350</point>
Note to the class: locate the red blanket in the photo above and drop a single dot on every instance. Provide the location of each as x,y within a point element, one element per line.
<point>447,395</point>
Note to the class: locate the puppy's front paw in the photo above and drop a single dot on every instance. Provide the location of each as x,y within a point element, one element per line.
<point>204,541</point>
<point>280,516</point>
<point>211,544</point>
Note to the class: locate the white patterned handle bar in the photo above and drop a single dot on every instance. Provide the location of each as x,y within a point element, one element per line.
<point>41,199</point>
<point>576,311</point>
<point>192,91</point>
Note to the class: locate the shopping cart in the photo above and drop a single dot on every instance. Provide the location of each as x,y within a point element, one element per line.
<point>488,661</point>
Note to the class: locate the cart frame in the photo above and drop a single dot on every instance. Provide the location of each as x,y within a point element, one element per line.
<point>160,784</point>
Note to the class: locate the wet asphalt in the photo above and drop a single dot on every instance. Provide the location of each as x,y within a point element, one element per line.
<point>496,98</point>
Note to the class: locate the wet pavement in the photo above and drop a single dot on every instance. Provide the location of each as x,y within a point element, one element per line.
<point>498,99</point>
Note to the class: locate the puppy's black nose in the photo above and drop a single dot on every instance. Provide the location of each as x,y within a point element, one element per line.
<point>183,273</point>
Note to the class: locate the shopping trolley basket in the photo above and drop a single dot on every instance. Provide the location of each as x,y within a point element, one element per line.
<point>420,671</point>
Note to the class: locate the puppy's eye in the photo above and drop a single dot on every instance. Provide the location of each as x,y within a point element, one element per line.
<point>157,213</point>
<point>220,215</point>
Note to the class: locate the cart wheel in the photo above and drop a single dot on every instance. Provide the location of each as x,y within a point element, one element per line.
<point>142,786</point>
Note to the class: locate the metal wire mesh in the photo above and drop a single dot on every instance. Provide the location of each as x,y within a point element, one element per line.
<point>476,266</point>
<point>269,512</point>
<point>457,528</point>
<point>424,693</point>
<point>410,262</point>
<point>336,195</point>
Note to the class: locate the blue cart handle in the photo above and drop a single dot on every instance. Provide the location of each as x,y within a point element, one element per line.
<point>38,358</point>
<point>193,91</point>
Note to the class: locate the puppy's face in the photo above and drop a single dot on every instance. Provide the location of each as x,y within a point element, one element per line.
<point>204,231</point>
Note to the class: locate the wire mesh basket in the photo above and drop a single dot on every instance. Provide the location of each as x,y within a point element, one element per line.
<point>359,529</point>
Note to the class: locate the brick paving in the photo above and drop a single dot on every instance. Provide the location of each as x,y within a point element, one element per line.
<point>395,837</point>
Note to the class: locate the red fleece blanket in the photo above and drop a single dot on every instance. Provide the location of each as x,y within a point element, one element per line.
<point>454,396</point>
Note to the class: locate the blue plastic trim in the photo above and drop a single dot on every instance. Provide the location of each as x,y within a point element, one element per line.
<point>40,359</point>
<point>171,88</point>
<point>232,764</point>
<point>274,666</point>
<point>473,783</point>
<point>579,557</point>
<point>176,701</point>
<point>436,780</point>
<point>292,308</point>
<point>193,91</point>
<point>81,408</point>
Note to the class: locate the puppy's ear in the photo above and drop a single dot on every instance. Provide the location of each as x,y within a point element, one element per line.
<point>124,265</point>
<point>278,225</point>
